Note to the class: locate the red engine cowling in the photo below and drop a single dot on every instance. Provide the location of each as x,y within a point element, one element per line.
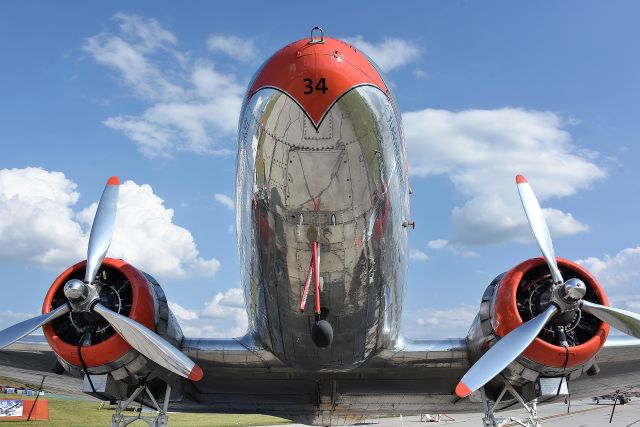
<point>518,295</point>
<point>124,289</point>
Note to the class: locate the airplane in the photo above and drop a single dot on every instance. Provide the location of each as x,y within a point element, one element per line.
<point>323,198</point>
<point>10,408</point>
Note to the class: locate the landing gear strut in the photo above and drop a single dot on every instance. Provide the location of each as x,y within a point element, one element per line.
<point>161,419</point>
<point>321,331</point>
<point>491,420</point>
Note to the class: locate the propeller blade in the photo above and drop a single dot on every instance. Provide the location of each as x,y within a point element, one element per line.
<point>102,228</point>
<point>623,320</point>
<point>22,329</point>
<point>503,352</point>
<point>538,226</point>
<point>150,344</point>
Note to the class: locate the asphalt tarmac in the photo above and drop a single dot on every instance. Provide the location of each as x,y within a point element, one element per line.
<point>582,414</point>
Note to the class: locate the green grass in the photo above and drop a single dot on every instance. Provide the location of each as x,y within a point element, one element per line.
<point>78,413</point>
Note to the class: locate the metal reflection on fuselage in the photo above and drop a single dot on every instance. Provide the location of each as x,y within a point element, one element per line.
<point>344,185</point>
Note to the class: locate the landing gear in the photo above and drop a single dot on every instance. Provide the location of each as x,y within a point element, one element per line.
<point>161,418</point>
<point>491,420</point>
<point>321,331</point>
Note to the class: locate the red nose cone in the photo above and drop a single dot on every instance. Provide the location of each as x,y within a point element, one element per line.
<point>113,181</point>
<point>315,74</point>
<point>520,179</point>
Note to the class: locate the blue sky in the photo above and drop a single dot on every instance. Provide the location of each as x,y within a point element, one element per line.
<point>150,91</point>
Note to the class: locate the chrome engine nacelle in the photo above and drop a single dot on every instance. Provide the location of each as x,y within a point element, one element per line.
<point>86,342</point>
<point>516,296</point>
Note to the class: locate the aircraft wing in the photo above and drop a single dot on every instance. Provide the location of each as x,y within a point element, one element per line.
<point>618,361</point>
<point>417,376</point>
<point>242,377</point>
<point>619,349</point>
<point>30,359</point>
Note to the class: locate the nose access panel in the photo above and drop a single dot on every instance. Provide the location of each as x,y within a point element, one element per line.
<point>314,176</point>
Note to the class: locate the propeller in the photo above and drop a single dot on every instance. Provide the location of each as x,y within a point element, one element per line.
<point>151,344</point>
<point>623,320</point>
<point>502,353</point>
<point>565,296</point>
<point>84,297</point>
<point>538,226</point>
<point>22,329</point>
<point>102,228</point>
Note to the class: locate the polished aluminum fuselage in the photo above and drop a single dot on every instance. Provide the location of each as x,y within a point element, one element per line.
<point>343,184</point>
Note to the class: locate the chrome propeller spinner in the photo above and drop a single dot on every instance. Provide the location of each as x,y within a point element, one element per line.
<point>574,289</point>
<point>84,296</point>
<point>76,290</point>
<point>565,296</point>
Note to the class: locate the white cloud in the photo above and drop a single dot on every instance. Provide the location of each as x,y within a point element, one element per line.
<point>437,243</point>
<point>148,34</point>
<point>146,236</point>
<point>418,255</point>
<point>194,107</point>
<point>223,317</point>
<point>390,53</point>
<point>236,47</point>
<point>617,273</point>
<point>225,304</point>
<point>440,244</point>
<point>131,56</point>
<point>39,226</point>
<point>225,201</point>
<point>181,313</point>
<point>481,151</point>
<point>179,126</point>
<point>439,323</point>
<point>419,74</point>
